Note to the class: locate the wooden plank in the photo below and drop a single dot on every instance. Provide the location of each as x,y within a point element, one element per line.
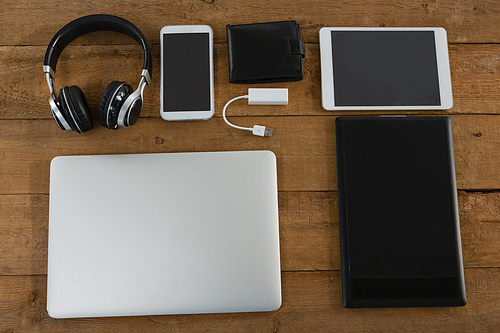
<point>476,144</point>
<point>23,234</point>
<point>309,235</point>
<point>480,219</point>
<point>28,146</point>
<point>466,22</point>
<point>311,303</point>
<point>309,231</point>
<point>305,148</point>
<point>309,239</point>
<point>474,77</point>
<point>474,68</point>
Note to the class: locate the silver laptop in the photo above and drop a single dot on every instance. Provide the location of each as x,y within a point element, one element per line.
<point>153,234</point>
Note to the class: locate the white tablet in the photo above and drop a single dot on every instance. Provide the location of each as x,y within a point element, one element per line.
<point>385,69</point>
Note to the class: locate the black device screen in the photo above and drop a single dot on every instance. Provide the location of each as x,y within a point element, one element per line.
<point>385,68</point>
<point>397,202</point>
<point>186,72</point>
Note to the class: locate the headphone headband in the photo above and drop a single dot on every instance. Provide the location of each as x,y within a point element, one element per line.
<point>91,23</point>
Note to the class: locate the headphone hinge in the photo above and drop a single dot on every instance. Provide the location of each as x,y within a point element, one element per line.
<point>50,82</point>
<point>145,74</point>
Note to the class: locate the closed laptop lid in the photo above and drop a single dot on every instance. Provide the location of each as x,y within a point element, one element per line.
<point>153,234</point>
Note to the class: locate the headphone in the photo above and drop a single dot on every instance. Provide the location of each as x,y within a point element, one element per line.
<point>120,106</point>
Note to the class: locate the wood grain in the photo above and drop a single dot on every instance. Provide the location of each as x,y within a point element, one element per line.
<point>465,21</point>
<point>23,234</point>
<point>311,303</point>
<point>480,218</point>
<point>475,78</point>
<point>304,146</point>
<point>309,239</point>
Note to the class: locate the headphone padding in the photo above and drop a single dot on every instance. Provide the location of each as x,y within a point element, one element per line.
<point>102,111</point>
<point>79,107</point>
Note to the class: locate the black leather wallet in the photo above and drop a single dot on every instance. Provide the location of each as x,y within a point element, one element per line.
<point>265,52</point>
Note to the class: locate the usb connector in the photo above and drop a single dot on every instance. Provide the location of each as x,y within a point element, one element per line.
<point>260,96</point>
<point>262,131</point>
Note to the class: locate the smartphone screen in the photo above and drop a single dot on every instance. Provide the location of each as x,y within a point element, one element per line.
<point>186,72</point>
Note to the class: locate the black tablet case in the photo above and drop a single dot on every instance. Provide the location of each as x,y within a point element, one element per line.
<point>398,212</point>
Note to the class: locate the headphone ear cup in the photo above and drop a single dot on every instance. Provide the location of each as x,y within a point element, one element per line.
<point>59,114</point>
<point>111,101</point>
<point>58,121</point>
<point>77,108</point>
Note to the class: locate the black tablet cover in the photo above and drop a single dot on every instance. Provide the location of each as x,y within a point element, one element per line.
<point>398,212</point>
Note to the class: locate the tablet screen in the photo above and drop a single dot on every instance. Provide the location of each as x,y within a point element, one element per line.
<point>385,68</point>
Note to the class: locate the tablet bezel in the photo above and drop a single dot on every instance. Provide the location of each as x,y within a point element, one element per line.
<point>327,76</point>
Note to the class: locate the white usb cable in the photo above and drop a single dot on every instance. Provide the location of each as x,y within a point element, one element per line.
<point>260,96</point>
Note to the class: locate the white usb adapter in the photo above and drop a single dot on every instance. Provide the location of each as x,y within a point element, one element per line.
<point>267,96</point>
<point>260,96</point>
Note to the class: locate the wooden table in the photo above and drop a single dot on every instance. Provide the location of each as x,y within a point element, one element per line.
<point>303,142</point>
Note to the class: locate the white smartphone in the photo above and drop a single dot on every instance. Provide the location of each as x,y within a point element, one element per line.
<point>187,72</point>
